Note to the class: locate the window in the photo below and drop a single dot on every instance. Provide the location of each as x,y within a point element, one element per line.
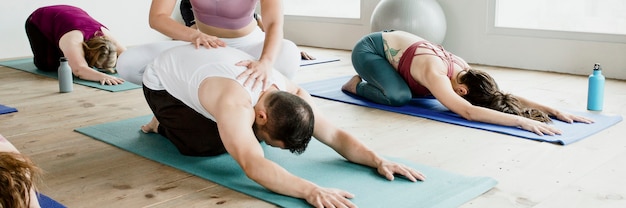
<point>350,9</point>
<point>603,20</point>
<point>594,16</point>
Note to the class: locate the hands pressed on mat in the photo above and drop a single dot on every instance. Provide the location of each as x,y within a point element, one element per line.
<point>330,197</point>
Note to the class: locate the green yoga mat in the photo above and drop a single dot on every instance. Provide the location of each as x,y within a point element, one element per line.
<point>27,65</point>
<point>318,164</point>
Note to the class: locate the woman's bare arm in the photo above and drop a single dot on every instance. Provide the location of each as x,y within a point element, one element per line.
<point>160,20</point>
<point>72,46</point>
<point>439,85</point>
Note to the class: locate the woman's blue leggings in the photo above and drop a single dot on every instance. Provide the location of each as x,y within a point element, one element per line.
<point>382,83</point>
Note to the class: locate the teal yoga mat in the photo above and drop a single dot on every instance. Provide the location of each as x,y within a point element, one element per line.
<point>318,164</point>
<point>433,109</point>
<point>27,65</point>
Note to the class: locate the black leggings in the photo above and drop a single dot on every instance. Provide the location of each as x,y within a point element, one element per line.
<point>192,133</point>
<point>46,53</point>
<point>187,13</point>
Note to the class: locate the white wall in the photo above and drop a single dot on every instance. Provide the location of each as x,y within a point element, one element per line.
<point>330,32</point>
<point>127,20</point>
<point>467,36</point>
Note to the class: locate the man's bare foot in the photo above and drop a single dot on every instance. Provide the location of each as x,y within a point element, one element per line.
<point>151,127</point>
<point>350,86</point>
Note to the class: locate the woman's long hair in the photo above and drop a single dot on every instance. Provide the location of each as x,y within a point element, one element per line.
<point>483,91</point>
<point>17,177</point>
<point>100,52</point>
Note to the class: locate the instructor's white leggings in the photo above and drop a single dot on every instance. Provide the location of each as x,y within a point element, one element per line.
<point>132,63</point>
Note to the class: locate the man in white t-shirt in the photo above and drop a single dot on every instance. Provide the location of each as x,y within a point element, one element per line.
<point>194,92</point>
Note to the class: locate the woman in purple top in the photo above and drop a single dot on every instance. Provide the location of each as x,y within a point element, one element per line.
<point>221,23</point>
<point>67,31</point>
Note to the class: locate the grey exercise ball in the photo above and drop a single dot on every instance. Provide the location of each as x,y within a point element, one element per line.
<point>424,18</point>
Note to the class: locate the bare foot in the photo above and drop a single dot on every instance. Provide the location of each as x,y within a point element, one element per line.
<point>151,127</point>
<point>350,86</point>
<point>306,56</point>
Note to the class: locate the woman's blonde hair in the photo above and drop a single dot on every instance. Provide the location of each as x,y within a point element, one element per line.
<point>100,53</point>
<point>483,91</point>
<point>17,178</point>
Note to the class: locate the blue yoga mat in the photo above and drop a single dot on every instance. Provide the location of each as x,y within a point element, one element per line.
<point>318,60</point>
<point>6,109</point>
<point>318,164</point>
<point>433,109</point>
<point>27,65</point>
<point>47,202</point>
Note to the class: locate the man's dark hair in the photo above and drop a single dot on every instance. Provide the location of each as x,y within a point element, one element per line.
<point>290,120</point>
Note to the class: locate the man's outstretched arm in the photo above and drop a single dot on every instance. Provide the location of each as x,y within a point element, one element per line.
<point>235,117</point>
<point>352,149</point>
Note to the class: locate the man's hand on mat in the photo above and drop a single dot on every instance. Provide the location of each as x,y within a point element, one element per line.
<point>111,80</point>
<point>569,118</point>
<point>257,73</point>
<point>321,197</point>
<point>539,128</point>
<point>389,169</point>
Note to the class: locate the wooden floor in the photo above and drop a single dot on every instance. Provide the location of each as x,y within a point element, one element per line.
<point>83,172</point>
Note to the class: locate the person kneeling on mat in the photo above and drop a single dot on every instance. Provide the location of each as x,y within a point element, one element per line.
<point>202,105</point>
<point>57,31</point>
<point>395,66</point>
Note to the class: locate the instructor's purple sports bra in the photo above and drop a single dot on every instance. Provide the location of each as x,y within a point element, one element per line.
<point>228,14</point>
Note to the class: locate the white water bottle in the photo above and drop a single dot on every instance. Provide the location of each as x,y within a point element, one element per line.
<point>65,76</point>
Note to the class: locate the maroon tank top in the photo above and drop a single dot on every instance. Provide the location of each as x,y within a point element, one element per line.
<point>404,67</point>
<point>55,21</point>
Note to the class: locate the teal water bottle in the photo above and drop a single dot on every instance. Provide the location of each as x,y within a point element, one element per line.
<point>595,93</point>
<point>65,76</point>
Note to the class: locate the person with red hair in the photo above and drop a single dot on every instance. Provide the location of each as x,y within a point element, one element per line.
<point>18,175</point>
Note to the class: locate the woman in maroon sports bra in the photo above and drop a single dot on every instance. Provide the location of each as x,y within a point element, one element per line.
<point>395,66</point>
